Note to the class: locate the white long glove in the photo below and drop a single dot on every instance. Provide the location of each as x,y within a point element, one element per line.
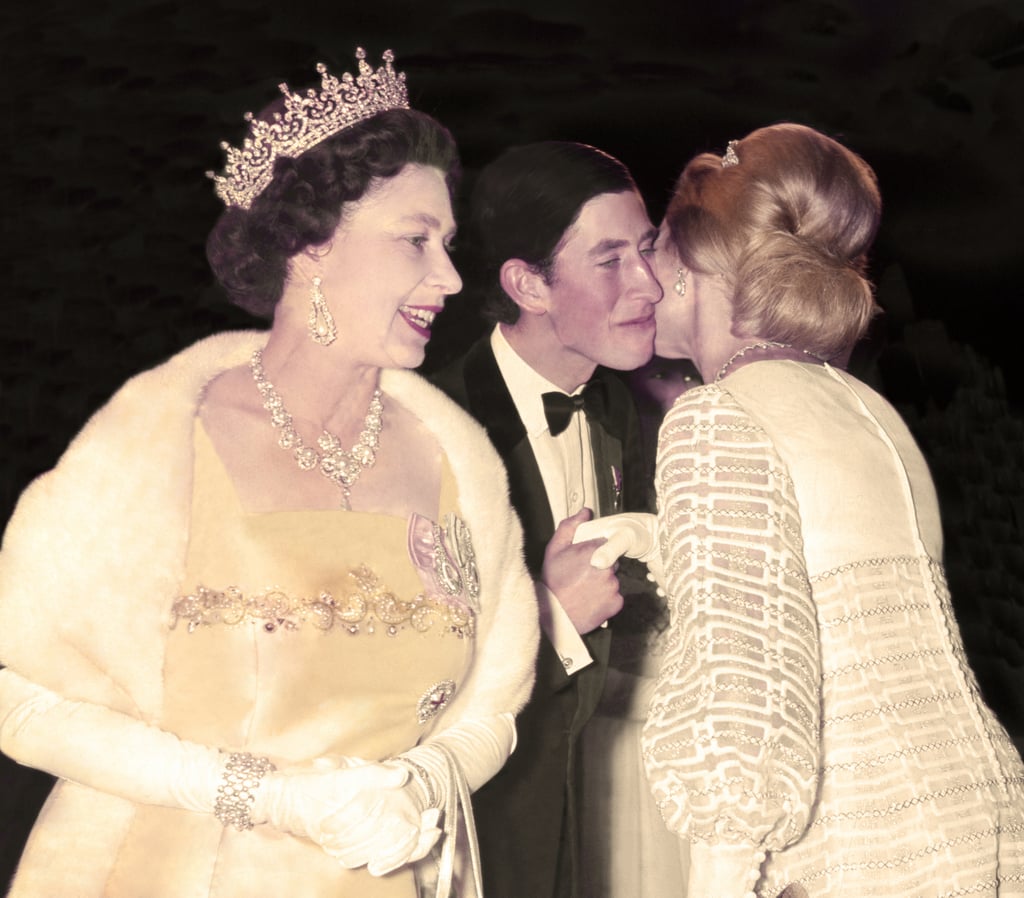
<point>633,534</point>
<point>358,811</point>
<point>104,749</point>
<point>374,813</point>
<point>481,745</point>
<point>378,819</point>
<point>450,765</point>
<point>391,818</point>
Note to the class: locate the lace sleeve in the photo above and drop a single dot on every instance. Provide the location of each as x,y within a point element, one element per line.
<point>731,740</point>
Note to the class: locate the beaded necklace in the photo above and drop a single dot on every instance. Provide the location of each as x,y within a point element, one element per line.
<point>764,345</point>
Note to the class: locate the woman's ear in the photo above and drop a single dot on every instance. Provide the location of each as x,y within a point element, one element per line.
<point>524,286</point>
<point>308,263</point>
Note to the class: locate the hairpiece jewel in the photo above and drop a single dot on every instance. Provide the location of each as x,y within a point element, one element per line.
<point>306,121</point>
<point>730,157</point>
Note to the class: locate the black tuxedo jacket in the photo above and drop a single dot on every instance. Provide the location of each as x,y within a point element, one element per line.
<point>526,816</point>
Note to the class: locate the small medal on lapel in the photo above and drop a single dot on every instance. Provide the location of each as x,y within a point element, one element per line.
<point>616,489</point>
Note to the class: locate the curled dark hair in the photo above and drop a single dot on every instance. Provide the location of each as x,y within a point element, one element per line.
<point>525,201</point>
<point>249,249</point>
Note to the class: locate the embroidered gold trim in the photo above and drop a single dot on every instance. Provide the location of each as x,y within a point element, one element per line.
<point>365,607</point>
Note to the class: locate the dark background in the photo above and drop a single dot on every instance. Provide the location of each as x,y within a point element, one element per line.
<point>112,111</point>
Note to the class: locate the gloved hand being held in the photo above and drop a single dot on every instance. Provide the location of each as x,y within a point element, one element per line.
<point>633,534</point>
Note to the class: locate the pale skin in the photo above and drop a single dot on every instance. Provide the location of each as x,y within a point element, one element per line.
<point>387,262</point>
<point>596,309</point>
<point>698,325</point>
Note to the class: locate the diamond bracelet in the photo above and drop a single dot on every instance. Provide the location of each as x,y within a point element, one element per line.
<point>237,790</point>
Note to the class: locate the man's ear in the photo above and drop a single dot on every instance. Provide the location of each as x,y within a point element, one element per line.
<point>524,286</point>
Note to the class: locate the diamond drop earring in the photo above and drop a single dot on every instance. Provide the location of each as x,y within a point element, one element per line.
<point>680,285</point>
<point>321,322</point>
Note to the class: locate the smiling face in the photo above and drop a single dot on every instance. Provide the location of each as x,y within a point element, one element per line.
<point>603,292</point>
<point>386,272</point>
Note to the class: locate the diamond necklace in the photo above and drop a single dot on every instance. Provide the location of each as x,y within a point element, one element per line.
<point>766,344</point>
<point>341,467</point>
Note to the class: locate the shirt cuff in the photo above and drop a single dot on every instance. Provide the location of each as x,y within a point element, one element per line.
<point>561,632</point>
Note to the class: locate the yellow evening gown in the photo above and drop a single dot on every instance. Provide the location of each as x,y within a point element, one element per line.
<point>305,634</point>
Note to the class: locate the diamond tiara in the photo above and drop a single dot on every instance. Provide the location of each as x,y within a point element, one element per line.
<point>306,121</point>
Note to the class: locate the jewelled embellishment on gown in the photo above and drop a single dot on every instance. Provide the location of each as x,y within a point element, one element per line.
<point>461,547</point>
<point>445,559</point>
<point>366,606</point>
<point>434,700</point>
<point>274,608</point>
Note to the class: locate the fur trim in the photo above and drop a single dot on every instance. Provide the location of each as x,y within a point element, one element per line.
<point>94,552</point>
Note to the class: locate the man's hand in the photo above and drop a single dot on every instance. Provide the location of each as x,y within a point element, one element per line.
<point>588,595</point>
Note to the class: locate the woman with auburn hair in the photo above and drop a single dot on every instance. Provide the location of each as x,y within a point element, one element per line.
<point>815,729</point>
<point>267,620</point>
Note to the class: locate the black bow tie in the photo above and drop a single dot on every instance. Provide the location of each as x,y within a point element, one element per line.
<point>559,408</point>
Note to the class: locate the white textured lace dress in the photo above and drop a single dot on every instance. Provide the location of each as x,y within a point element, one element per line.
<point>815,720</point>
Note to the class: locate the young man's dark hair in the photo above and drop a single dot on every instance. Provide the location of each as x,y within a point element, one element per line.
<point>526,200</point>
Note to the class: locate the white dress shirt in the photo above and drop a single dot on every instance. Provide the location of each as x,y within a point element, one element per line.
<point>566,465</point>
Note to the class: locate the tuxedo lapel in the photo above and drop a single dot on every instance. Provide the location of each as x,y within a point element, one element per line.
<point>490,402</point>
<point>489,399</point>
<point>607,449</point>
<point>607,440</point>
